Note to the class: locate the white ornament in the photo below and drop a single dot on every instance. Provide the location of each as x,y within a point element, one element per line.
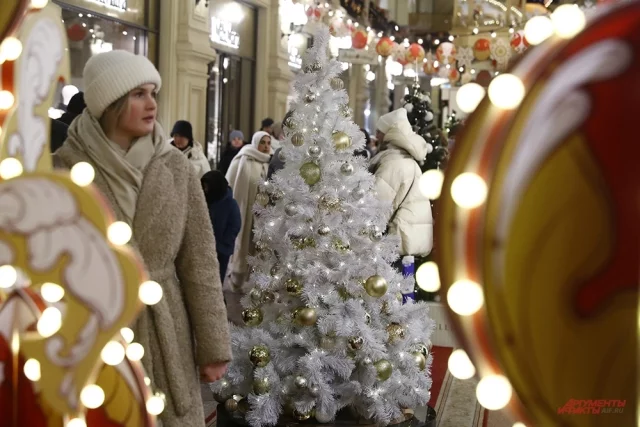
<point>429,148</point>
<point>409,107</point>
<point>465,57</point>
<point>501,53</point>
<point>429,116</point>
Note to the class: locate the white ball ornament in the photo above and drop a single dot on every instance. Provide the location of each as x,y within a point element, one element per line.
<point>429,116</point>
<point>408,107</point>
<point>429,148</point>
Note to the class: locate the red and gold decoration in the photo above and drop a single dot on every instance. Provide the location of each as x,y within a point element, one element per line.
<point>399,54</point>
<point>446,53</point>
<point>415,53</point>
<point>429,69</point>
<point>538,238</point>
<point>359,38</point>
<point>482,49</point>
<point>67,291</point>
<point>384,47</point>
<point>519,42</point>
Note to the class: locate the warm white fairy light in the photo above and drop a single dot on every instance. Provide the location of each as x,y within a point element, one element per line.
<point>155,404</point>
<point>127,335</point>
<point>428,277</point>
<point>39,4</point>
<point>50,322</point>
<point>430,183</point>
<point>76,422</point>
<point>538,29</point>
<point>11,48</point>
<point>8,276</point>
<point>460,365</point>
<point>468,190</point>
<point>568,20</point>
<point>147,381</point>
<point>150,292</point>
<point>32,370</point>
<point>469,96</point>
<point>51,292</point>
<point>475,31</point>
<point>135,351</point>
<point>494,392</point>
<point>506,91</point>
<point>6,98</point>
<point>82,174</point>
<point>10,168</point>
<point>465,297</point>
<point>519,424</point>
<point>119,233</point>
<point>92,396</point>
<point>113,353</point>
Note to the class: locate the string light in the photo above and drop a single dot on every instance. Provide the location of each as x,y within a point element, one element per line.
<point>451,38</point>
<point>469,96</point>
<point>506,91</point>
<point>92,396</point>
<point>494,392</point>
<point>113,353</point>
<point>430,183</point>
<point>119,233</point>
<point>77,422</point>
<point>568,20</point>
<point>493,34</point>
<point>475,31</point>
<point>428,277</point>
<point>8,276</point>
<point>10,168</point>
<point>436,42</point>
<point>51,292</point>
<point>50,322</point>
<point>155,404</point>
<point>538,29</point>
<point>82,174</point>
<point>6,98</point>
<point>32,370</point>
<point>150,292</point>
<point>468,190</point>
<point>420,41</point>
<point>519,424</point>
<point>11,48</point>
<point>511,30</point>
<point>465,297</point>
<point>460,365</point>
<point>39,4</point>
<point>127,335</point>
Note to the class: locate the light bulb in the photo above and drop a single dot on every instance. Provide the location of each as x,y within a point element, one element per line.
<point>39,4</point>
<point>8,276</point>
<point>82,174</point>
<point>10,168</point>
<point>112,353</point>
<point>468,190</point>
<point>519,424</point>
<point>150,292</point>
<point>76,422</point>
<point>465,297</point>
<point>476,31</point>
<point>147,381</point>
<point>51,292</point>
<point>430,183</point>
<point>512,30</point>
<point>506,91</point>
<point>6,100</point>
<point>469,96</point>
<point>50,322</point>
<point>155,405</point>
<point>135,351</point>
<point>538,29</point>
<point>11,48</point>
<point>119,233</point>
<point>92,396</point>
<point>32,370</point>
<point>568,20</point>
<point>460,365</point>
<point>451,38</point>
<point>127,335</point>
<point>494,392</point>
<point>493,34</point>
<point>428,277</point>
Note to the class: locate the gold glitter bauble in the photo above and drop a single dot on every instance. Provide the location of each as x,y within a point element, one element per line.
<point>341,141</point>
<point>305,316</point>
<point>309,242</point>
<point>336,83</point>
<point>262,199</point>
<point>261,386</point>
<point>340,245</point>
<point>223,394</point>
<point>256,295</point>
<point>355,343</point>
<point>310,172</point>
<point>243,406</point>
<point>301,416</point>
<point>345,110</point>
<point>297,139</point>
<point>328,202</point>
<point>252,316</point>
<point>384,369</point>
<point>293,286</point>
<point>259,356</point>
<point>313,67</point>
<point>376,286</point>
<point>288,121</point>
<point>231,405</point>
<point>267,297</point>
<point>421,361</point>
<point>323,230</point>
<point>395,331</point>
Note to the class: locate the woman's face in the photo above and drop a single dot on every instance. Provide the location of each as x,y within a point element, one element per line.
<point>180,141</point>
<point>140,117</point>
<point>265,145</point>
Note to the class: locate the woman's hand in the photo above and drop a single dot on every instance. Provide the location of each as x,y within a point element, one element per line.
<point>213,372</point>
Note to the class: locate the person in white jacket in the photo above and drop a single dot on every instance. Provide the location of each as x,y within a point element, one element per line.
<point>397,172</point>
<point>248,168</point>
<point>182,135</point>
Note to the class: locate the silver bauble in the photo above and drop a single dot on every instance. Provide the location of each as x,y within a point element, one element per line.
<point>367,361</point>
<point>314,391</point>
<point>277,195</point>
<point>291,209</point>
<point>310,97</point>
<point>358,193</point>
<point>324,230</point>
<point>256,295</point>
<point>300,382</point>
<point>346,169</point>
<point>282,156</point>
<point>336,83</point>
<point>314,151</point>
<point>375,233</point>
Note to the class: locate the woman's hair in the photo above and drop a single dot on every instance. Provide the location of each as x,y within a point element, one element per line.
<point>113,113</point>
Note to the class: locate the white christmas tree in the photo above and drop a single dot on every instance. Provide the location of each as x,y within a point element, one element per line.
<point>326,324</point>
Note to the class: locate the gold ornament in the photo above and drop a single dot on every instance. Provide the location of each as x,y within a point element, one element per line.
<point>345,110</point>
<point>261,246</point>
<point>309,242</point>
<point>329,203</point>
<point>262,199</point>
<point>261,386</point>
<point>301,416</point>
<point>259,356</point>
<point>310,97</point>
<point>340,245</point>
<point>421,361</point>
<point>293,286</point>
<point>231,405</point>
<point>323,230</point>
<point>310,172</point>
<point>243,406</point>
<point>298,242</point>
<point>223,394</point>
<point>343,293</point>
<point>376,286</point>
<point>291,209</point>
<point>384,369</point>
<point>305,316</point>
<point>267,297</point>
<point>341,141</point>
<point>275,270</point>
<point>288,120</point>
<point>282,155</point>
<point>300,382</point>
<point>313,67</point>
<point>252,316</point>
<point>355,343</point>
<point>395,331</point>
<point>336,83</point>
<point>277,195</point>
<point>256,295</point>
<point>425,350</point>
<point>297,139</point>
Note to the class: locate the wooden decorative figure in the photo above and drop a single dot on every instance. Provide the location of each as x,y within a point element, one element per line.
<point>69,285</point>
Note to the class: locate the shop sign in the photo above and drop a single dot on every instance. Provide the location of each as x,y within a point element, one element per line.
<point>116,4</point>
<point>222,33</point>
<point>359,56</point>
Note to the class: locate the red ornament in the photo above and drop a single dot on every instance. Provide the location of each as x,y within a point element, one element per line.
<point>415,53</point>
<point>484,78</point>
<point>76,32</point>
<point>399,54</point>
<point>314,13</point>
<point>446,53</point>
<point>454,75</point>
<point>359,39</point>
<point>384,47</point>
<point>519,42</point>
<point>481,49</point>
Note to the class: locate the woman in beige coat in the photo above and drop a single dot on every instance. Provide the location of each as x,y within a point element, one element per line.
<point>153,187</point>
<point>246,171</point>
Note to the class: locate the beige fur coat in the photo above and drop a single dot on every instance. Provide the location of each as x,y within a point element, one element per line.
<point>188,327</point>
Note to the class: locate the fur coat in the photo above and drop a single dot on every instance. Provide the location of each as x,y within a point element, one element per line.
<point>188,327</point>
<point>246,171</point>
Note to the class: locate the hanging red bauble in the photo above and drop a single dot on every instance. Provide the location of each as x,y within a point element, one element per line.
<point>484,78</point>
<point>76,32</point>
<point>482,49</point>
<point>415,52</point>
<point>454,75</point>
<point>446,53</point>
<point>384,47</point>
<point>359,38</point>
<point>519,42</point>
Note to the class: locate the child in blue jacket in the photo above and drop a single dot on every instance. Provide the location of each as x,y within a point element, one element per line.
<point>225,216</point>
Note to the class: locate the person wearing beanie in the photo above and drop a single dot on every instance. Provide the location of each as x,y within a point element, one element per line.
<point>236,142</point>
<point>225,216</point>
<point>152,187</point>
<point>74,109</point>
<point>247,170</point>
<point>397,172</point>
<point>182,135</point>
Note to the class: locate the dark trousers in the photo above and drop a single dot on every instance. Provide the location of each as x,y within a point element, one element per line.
<point>223,260</point>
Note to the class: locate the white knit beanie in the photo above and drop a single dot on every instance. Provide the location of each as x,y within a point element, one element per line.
<point>111,75</point>
<point>393,119</point>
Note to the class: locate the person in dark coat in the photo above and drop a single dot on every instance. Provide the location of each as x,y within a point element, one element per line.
<point>58,134</point>
<point>225,216</point>
<point>275,164</point>
<point>74,109</point>
<point>236,142</point>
